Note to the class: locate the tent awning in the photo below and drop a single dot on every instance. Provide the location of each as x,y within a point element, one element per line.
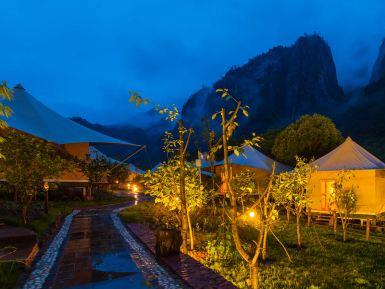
<point>33,117</point>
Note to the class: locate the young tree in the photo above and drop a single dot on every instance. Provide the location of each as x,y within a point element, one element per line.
<point>291,190</point>
<point>180,146</point>
<point>96,169</point>
<point>344,198</point>
<point>267,211</point>
<point>117,172</point>
<point>164,185</point>
<point>311,136</point>
<point>27,162</point>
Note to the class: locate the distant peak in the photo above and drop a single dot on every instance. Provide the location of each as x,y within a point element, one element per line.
<point>310,39</point>
<point>378,71</point>
<point>19,86</point>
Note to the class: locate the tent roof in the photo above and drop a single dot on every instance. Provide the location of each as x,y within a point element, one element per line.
<point>255,159</point>
<point>135,169</point>
<point>31,116</point>
<point>350,156</point>
<point>155,167</point>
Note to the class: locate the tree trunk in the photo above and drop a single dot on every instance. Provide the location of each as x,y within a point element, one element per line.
<point>190,231</point>
<point>344,229</point>
<point>287,215</point>
<point>367,231</point>
<point>298,221</point>
<point>264,245</point>
<point>184,228</point>
<point>233,201</point>
<point>335,222</point>
<point>24,213</point>
<point>254,276</point>
<point>46,202</point>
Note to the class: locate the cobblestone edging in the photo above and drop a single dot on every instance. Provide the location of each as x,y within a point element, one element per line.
<point>144,260</point>
<point>43,267</point>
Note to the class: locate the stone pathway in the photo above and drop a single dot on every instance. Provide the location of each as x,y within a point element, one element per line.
<point>93,250</point>
<point>190,270</point>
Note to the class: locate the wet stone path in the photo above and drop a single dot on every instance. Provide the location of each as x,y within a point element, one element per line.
<point>99,252</point>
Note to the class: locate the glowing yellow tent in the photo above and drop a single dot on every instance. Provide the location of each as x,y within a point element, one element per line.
<point>369,177</point>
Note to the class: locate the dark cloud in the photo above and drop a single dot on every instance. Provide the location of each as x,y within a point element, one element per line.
<point>82,57</point>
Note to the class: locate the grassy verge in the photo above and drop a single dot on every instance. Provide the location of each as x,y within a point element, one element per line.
<point>41,224</point>
<point>9,273</point>
<point>324,261</point>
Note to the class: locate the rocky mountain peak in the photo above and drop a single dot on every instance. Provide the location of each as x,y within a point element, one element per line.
<point>378,71</point>
<point>279,86</point>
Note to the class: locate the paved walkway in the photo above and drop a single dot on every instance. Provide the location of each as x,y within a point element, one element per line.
<point>99,254</point>
<point>95,250</point>
<point>190,270</point>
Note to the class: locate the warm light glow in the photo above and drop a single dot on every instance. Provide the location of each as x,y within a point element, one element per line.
<point>136,199</point>
<point>128,186</point>
<point>251,214</point>
<point>134,188</point>
<point>116,182</point>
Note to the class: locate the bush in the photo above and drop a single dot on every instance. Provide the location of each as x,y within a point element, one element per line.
<point>155,215</point>
<point>223,258</point>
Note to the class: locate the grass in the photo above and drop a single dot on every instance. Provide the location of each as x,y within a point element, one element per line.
<point>324,261</point>
<point>41,224</point>
<point>9,273</point>
<point>149,213</point>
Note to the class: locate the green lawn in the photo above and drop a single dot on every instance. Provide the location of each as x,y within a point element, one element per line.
<point>324,262</point>
<point>41,224</point>
<point>9,273</point>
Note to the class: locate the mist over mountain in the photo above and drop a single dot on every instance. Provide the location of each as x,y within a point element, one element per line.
<point>365,118</point>
<point>378,71</point>
<point>279,86</point>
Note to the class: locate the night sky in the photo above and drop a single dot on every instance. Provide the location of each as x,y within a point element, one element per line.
<point>80,57</point>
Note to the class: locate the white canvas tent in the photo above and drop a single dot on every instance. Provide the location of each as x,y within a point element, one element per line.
<point>349,156</point>
<point>255,159</point>
<point>33,117</point>
<point>368,180</point>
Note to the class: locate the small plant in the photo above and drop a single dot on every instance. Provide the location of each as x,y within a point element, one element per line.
<point>344,198</point>
<point>164,186</point>
<point>291,189</point>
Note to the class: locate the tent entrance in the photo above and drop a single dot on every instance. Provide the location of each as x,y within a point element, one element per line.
<point>327,191</point>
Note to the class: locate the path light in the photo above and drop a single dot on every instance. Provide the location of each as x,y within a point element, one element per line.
<point>136,199</point>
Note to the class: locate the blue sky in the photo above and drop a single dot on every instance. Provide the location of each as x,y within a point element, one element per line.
<point>80,57</point>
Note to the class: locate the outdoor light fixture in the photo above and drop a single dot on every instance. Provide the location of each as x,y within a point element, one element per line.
<point>116,182</point>
<point>251,214</point>
<point>128,186</point>
<point>134,188</point>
